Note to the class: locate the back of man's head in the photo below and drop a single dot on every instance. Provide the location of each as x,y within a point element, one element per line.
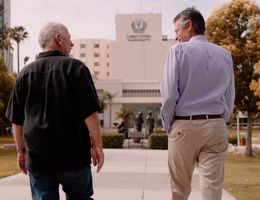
<point>195,16</point>
<point>48,32</point>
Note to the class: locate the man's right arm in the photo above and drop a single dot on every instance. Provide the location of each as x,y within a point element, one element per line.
<point>20,146</point>
<point>92,123</point>
<point>169,89</point>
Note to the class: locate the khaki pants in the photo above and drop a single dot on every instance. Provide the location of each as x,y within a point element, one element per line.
<point>200,143</point>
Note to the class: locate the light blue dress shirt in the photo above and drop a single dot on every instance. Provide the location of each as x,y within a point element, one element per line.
<point>198,78</point>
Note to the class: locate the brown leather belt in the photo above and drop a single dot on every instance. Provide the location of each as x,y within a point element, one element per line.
<point>197,117</point>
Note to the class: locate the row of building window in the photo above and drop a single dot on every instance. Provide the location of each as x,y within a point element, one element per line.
<point>82,46</point>
<point>141,93</point>
<point>135,93</point>
<point>97,73</point>
<point>96,64</point>
<point>82,55</point>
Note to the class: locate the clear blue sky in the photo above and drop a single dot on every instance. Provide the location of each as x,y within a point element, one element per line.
<point>93,18</point>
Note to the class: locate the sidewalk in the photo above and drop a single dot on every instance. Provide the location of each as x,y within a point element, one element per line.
<point>128,174</point>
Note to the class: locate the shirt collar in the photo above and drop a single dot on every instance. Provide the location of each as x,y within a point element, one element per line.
<point>50,53</point>
<point>198,38</point>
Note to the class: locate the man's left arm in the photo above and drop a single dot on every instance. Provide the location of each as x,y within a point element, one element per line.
<point>20,146</point>
<point>230,93</point>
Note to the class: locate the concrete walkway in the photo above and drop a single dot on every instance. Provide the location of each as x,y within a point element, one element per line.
<point>128,174</point>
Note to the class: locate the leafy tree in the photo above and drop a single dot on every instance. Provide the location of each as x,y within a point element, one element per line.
<point>255,84</point>
<point>236,27</point>
<point>6,83</point>
<point>18,34</point>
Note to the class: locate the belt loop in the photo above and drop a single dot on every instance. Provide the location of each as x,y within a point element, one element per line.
<point>191,117</point>
<point>207,117</point>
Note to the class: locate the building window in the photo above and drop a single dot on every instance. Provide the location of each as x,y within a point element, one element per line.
<point>96,73</point>
<point>108,55</point>
<point>107,73</point>
<point>82,46</point>
<point>96,64</point>
<point>108,47</point>
<point>96,54</point>
<point>96,45</point>
<point>107,64</point>
<point>82,55</point>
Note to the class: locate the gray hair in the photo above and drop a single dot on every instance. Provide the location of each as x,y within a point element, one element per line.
<point>48,32</point>
<point>196,18</point>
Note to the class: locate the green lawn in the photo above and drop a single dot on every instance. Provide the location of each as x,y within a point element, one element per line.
<point>242,177</point>
<point>242,174</point>
<point>8,165</point>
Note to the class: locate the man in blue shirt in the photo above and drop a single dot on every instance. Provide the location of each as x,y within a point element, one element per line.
<point>198,93</point>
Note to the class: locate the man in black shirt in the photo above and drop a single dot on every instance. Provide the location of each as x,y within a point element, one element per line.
<point>53,109</point>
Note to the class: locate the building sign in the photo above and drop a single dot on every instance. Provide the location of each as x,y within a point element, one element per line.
<point>138,27</point>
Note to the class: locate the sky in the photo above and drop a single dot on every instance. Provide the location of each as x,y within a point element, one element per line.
<point>93,18</point>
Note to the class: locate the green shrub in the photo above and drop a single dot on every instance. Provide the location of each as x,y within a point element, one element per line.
<point>113,140</point>
<point>158,141</point>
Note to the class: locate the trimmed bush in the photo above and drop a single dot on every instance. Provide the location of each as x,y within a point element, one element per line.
<point>158,141</point>
<point>113,140</point>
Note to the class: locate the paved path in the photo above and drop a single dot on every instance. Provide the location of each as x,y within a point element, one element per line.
<point>128,174</point>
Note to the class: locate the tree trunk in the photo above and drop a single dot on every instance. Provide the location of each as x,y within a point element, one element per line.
<point>18,58</point>
<point>249,151</point>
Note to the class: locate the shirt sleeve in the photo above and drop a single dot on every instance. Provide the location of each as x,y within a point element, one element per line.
<point>169,88</point>
<point>87,98</point>
<point>230,93</point>
<point>15,108</point>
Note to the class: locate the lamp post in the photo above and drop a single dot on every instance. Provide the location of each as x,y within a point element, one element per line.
<point>26,58</point>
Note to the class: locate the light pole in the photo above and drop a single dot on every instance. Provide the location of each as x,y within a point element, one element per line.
<point>26,58</point>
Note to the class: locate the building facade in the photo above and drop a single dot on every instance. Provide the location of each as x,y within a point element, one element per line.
<point>5,21</point>
<point>96,54</point>
<point>137,60</point>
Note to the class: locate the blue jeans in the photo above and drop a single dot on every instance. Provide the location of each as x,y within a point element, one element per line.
<point>77,184</point>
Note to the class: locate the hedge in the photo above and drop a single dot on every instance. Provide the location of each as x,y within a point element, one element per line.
<point>113,140</point>
<point>158,141</point>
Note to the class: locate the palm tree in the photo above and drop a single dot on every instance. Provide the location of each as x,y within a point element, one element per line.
<point>18,34</point>
<point>5,40</point>
<point>106,99</point>
<point>125,114</point>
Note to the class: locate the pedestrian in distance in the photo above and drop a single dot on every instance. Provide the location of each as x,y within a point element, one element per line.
<point>197,90</point>
<point>53,109</point>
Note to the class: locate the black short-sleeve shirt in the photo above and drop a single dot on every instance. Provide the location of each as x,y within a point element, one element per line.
<point>51,99</point>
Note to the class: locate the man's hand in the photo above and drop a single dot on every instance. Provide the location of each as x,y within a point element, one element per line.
<point>97,157</point>
<point>21,159</point>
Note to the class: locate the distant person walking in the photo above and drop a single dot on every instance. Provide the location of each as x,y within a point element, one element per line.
<point>197,91</point>
<point>53,110</point>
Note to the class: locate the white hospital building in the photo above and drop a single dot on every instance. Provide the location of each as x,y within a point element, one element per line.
<point>130,67</point>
